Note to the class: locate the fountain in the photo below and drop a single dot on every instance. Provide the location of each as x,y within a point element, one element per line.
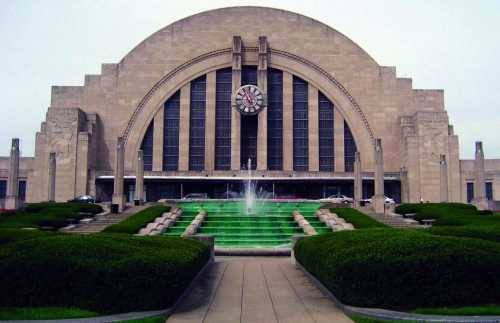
<point>249,190</point>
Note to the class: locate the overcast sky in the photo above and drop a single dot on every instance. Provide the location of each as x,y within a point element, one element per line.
<point>452,45</point>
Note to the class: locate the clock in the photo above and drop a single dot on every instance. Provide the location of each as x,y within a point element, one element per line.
<point>249,100</point>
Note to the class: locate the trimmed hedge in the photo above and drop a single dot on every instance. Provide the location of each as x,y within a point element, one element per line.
<point>47,214</point>
<point>105,273</point>
<point>137,221</point>
<point>13,235</point>
<point>485,232</point>
<point>403,268</point>
<point>453,214</point>
<point>358,219</point>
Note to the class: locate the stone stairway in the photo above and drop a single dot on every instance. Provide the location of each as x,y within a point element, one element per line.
<point>392,221</point>
<point>103,221</point>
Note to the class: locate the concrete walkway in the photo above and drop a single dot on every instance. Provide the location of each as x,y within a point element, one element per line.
<point>256,289</point>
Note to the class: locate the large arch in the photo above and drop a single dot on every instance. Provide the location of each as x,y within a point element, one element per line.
<point>154,99</point>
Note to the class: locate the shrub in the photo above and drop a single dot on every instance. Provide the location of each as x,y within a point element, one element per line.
<point>12,235</point>
<point>484,232</point>
<point>455,214</point>
<point>47,214</point>
<point>104,273</point>
<point>403,268</point>
<point>137,221</point>
<point>357,219</point>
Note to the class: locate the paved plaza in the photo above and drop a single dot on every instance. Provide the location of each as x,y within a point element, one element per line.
<point>255,289</point>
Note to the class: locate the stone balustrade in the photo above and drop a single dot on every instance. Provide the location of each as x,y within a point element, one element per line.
<point>333,221</point>
<point>192,228</point>
<point>304,224</point>
<point>161,223</point>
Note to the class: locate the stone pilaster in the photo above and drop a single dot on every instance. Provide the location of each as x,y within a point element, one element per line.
<point>52,176</point>
<point>12,197</point>
<point>378,200</point>
<point>262,84</point>
<point>405,192</point>
<point>184,128</point>
<point>313,120</point>
<point>338,140</point>
<point>210,122</point>
<point>443,178</point>
<point>139,178</point>
<point>118,196</point>
<point>158,140</point>
<point>235,115</point>
<point>479,186</point>
<point>358,180</point>
<point>287,121</point>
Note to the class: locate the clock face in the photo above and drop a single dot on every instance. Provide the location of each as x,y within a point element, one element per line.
<point>249,99</point>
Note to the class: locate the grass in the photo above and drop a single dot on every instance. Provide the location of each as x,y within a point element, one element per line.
<point>43,313</point>
<point>468,310</point>
<point>134,223</point>
<point>358,219</point>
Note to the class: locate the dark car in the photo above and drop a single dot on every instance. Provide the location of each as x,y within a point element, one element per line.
<point>84,199</point>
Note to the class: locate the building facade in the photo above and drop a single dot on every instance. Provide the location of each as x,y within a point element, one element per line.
<point>213,95</point>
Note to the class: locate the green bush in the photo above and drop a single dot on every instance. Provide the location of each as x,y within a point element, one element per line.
<point>484,232</point>
<point>403,268</point>
<point>12,235</point>
<point>357,219</point>
<point>137,221</point>
<point>449,214</point>
<point>105,273</point>
<point>47,214</point>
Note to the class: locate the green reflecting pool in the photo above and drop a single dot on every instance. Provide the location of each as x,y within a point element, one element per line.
<point>271,225</point>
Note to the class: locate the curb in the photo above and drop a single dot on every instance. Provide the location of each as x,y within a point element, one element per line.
<point>129,315</point>
<point>377,313</point>
<point>270,252</point>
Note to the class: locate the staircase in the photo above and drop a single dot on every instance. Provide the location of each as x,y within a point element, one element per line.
<point>392,221</point>
<point>103,221</point>
<point>272,227</point>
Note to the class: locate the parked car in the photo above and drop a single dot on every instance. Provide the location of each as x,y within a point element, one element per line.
<point>337,198</point>
<point>388,200</point>
<point>195,196</point>
<point>83,199</point>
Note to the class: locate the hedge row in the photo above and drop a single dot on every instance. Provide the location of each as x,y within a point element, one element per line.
<point>485,232</point>
<point>137,221</point>
<point>47,214</point>
<point>105,273</point>
<point>403,268</point>
<point>450,214</point>
<point>358,219</point>
<point>12,235</point>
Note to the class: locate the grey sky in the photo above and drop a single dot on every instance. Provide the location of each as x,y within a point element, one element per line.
<point>453,45</point>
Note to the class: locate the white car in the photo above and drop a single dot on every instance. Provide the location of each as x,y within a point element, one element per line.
<point>337,198</point>
<point>388,200</point>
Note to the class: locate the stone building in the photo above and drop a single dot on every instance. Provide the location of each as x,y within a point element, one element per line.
<point>192,104</point>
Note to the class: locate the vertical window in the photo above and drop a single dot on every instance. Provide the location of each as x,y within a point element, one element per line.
<point>171,132</point>
<point>22,190</point>
<point>325,131</point>
<point>274,119</point>
<point>300,125</point>
<point>349,148</point>
<point>489,190</point>
<point>470,192</point>
<point>197,124</point>
<point>147,147</point>
<point>249,124</point>
<point>3,189</point>
<point>223,90</point>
